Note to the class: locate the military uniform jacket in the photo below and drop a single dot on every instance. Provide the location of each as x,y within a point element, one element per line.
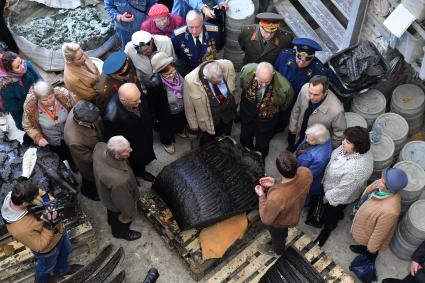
<point>186,50</point>
<point>251,42</point>
<point>286,65</point>
<point>108,86</point>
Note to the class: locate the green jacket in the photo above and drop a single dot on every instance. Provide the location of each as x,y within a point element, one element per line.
<point>251,42</point>
<point>282,89</point>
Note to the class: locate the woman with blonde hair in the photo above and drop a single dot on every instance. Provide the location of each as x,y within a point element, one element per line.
<point>80,74</point>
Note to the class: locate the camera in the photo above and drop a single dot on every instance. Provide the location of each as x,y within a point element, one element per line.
<point>152,275</point>
<point>63,209</point>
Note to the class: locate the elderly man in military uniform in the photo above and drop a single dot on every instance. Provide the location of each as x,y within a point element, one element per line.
<point>117,70</point>
<point>196,42</point>
<point>209,103</point>
<point>262,42</point>
<point>298,65</point>
<point>264,93</point>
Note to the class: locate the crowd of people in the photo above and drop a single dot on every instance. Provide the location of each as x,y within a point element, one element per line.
<point>168,77</point>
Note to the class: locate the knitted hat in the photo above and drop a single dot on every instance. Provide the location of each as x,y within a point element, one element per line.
<point>158,11</point>
<point>160,60</point>
<point>395,179</point>
<point>85,111</point>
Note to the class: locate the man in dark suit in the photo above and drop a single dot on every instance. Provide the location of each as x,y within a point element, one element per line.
<point>196,42</point>
<point>262,42</point>
<point>127,114</point>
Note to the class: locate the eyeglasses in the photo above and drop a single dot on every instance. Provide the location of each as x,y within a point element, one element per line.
<point>303,56</point>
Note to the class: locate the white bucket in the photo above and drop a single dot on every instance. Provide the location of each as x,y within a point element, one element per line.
<point>354,119</point>
<point>369,105</point>
<point>414,151</point>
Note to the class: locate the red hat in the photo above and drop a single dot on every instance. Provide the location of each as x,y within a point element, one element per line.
<point>158,10</point>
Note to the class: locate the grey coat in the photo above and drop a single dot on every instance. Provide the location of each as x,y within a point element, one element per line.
<point>330,113</point>
<point>115,182</point>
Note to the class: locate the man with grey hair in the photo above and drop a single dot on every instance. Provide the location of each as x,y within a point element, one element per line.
<point>264,93</point>
<point>117,185</point>
<point>127,114</point>
<point>208,101</point>
<point>314,153</point>
<point>196,42</point>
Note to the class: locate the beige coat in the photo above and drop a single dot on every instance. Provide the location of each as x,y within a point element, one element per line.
<point>81,141</point>
<point>116,183</point>
<point>196,102</point>
<point>330,113</point>
<point>376,220</point>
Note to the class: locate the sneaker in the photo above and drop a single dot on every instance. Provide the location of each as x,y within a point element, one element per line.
<point>266,249</point>
<point>169,148</point>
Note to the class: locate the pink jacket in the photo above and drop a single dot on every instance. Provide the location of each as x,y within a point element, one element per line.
<point>175,22</point>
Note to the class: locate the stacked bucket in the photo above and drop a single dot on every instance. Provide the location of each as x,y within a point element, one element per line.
<point>240,14</point>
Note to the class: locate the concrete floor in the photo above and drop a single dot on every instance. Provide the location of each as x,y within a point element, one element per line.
<point>150,250</point>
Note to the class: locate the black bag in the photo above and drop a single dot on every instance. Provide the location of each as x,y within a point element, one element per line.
<point>316,212</point>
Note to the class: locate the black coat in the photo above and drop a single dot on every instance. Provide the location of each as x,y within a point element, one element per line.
<point>137,130</point>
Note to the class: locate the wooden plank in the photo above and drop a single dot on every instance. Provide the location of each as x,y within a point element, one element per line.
<point>257,277</point>
<point>344,6</point>
<point>322,263</point>
<point>302,242</point>
<point>325,19</point>
<point>256,265</point>
<point>300,27</point>
<point>313,253</point>
<point>240,259</point>
<point>334,274</point>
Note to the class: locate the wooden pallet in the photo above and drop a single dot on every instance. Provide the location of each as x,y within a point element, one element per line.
<point>242,262</point>
<point>19,267</point>
<point>186,243</point>
<point>250,265</point>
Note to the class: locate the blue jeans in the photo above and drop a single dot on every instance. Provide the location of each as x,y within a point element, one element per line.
<point>55,261</point>
<point>125,36</point>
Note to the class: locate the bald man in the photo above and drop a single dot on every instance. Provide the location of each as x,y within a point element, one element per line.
<point>127,114</point>
<point>264,93</point>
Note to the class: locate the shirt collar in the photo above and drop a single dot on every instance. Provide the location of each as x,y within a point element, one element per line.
<point>355,155</point>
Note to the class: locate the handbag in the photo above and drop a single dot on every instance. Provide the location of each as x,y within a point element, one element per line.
<point>316,212</point>
<point>363,268</point>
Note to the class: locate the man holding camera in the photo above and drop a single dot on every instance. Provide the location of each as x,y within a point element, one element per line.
<point>47,239</point>
<point>281,204</point>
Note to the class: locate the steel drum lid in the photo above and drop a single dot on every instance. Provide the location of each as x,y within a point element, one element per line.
<point>240,9</point>
<point>416,215</point>
<point>408,97</point>
<point>395,126</point>
<point>97,62</point>
<point>415,175</point>
<point>370,102</point>
<point>353,119</point>
<point>414,151</point>
<point>384,150</point>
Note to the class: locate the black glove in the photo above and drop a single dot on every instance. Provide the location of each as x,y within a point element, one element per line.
<point>291,142</point>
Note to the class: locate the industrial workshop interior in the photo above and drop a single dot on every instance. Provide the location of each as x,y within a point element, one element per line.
<point>212,141</point>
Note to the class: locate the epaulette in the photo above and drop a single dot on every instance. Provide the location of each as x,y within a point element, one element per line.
<point>285,33</point>
<point>180,30</point>
<point>320,65</point>
<point>288,51</point>
<point>213,28</point>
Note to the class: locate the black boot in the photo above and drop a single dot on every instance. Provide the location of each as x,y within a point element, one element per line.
<point>358,249</point>
<point>122,231</point>
<point>112,216</point>
<point>323,237</point>
<point>148,177</point>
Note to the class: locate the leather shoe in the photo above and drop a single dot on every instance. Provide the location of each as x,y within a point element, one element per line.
<point>148,177</point>
<point>358,249</point>
<point>130,236</point>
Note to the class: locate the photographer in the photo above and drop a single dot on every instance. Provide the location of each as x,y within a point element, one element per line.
<point>281,206</point>
<point>49,243</point>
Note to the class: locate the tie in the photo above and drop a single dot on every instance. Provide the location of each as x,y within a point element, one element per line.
<point>218,94</point>
<point>198,42</point>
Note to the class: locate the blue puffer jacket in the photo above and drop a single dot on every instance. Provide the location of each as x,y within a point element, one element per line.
<point>315,158</point>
